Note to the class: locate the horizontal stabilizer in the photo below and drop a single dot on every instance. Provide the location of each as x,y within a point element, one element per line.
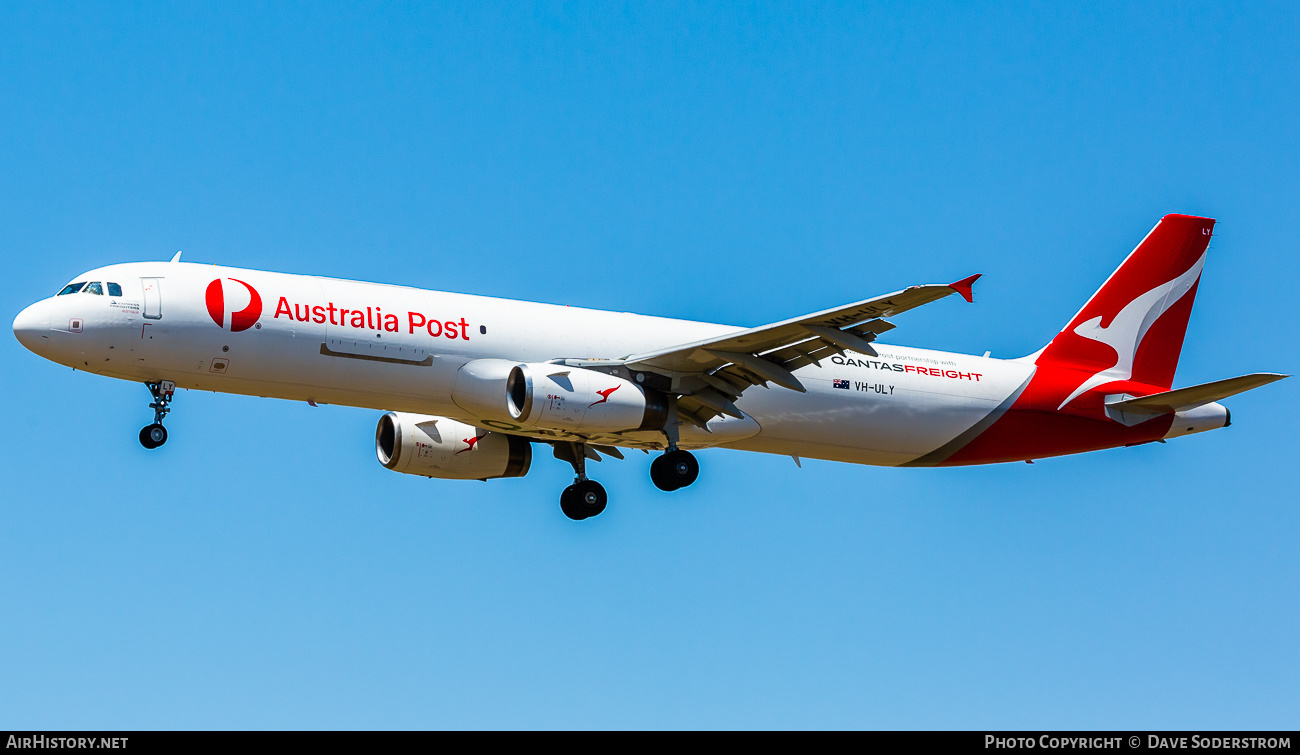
<point>1190,398</point>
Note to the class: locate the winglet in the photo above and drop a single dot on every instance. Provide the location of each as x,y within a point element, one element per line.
<point>963,287</point>
<point>177,257</point>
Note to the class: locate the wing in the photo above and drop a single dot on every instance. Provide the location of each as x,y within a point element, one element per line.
<point>708,376</point>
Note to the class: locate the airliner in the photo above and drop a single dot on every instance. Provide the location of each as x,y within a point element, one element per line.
<point>471,385</point>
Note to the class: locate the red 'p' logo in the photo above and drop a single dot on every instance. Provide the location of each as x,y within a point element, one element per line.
<point>241,320</point>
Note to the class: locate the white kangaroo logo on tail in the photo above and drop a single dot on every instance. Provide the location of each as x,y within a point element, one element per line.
<point>1130,326</point>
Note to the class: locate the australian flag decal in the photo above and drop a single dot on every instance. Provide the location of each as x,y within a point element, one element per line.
<point>840,384</point>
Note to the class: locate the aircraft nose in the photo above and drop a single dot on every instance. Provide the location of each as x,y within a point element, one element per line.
<point>31,328</point>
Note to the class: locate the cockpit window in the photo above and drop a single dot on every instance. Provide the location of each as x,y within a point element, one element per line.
<point>71,288</point>
<point>114,289</point>
<point>94,288</point>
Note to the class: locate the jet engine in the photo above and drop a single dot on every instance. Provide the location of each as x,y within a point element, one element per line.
<point>447,449</point>
<point>556,397</point>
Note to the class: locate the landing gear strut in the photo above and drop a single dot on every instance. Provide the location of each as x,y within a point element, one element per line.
<point>584,498</point>
<point>155,435</point>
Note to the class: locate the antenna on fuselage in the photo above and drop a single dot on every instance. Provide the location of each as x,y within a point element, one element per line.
<point>177,257</point>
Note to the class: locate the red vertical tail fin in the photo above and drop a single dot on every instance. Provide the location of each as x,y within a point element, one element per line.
<point>1132,328</point>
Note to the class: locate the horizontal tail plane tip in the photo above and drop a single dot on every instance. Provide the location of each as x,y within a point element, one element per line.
<point>963,287</point>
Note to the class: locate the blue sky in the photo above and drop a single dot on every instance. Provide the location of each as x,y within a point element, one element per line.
<point>722,162</point>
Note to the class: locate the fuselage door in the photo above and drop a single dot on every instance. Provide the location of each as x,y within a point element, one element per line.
<point>152,298</point>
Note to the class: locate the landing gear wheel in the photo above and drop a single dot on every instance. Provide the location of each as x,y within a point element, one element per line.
<point>659,474</point>
<point>583,499</point>
<point>591,497</point>
<point>569,504</point>
<point>674,470</point>
<point>153,436</point>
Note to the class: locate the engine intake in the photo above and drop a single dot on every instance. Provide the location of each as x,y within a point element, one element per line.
<point>439,447</point>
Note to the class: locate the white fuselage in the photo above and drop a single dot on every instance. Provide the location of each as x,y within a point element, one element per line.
<point>387,347</point>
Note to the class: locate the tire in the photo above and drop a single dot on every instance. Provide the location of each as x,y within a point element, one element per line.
<point>571,505</point>
<point>153,436</point>
<point>660,474</point>
<point>676,468</point>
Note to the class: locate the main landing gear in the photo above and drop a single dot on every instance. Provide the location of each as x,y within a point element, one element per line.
<point>155,435</point>
<point>584,498</point>
<point>674,470</point>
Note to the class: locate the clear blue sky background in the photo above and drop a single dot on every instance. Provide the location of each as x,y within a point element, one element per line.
<point>723,162</point>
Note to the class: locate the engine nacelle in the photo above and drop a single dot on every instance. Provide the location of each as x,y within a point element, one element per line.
<point>556,397</point>
<point>451,450</point>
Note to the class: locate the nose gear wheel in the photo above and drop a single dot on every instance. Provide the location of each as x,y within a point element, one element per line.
<point>153,436</point>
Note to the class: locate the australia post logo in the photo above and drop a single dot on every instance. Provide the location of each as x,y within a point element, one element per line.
<point>236,305</point>
<point>224,294</point>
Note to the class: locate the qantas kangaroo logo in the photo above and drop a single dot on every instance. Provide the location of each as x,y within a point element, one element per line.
<point>604,396</point>
<point>1130,326</point>
<point>241,320</point>
<point>469,445</point>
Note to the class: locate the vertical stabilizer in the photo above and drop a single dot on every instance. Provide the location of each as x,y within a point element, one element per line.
<point>1132,328</point>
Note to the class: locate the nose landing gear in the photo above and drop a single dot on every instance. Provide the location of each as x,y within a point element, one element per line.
<point>153,436</point>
